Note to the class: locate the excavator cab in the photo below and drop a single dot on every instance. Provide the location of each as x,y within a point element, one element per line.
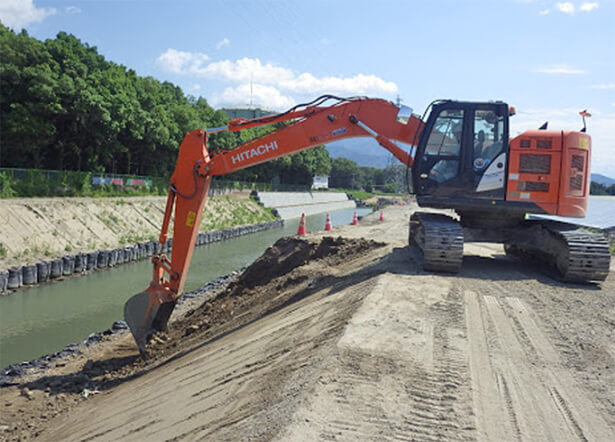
<point>462,154</point>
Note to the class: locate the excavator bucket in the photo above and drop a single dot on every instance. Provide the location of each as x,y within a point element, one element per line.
<point>145,315</point>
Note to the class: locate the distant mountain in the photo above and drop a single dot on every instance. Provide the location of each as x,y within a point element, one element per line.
<point>366,152</point>
<point>601,179</point>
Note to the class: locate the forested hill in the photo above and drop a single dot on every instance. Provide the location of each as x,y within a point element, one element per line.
<point>64,107</point>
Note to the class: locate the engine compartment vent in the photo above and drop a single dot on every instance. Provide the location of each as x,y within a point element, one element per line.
<point>578,162</point>
<point>576,182</point>
<point>544,144</point>
<point>532,186</point>
<point>529,163</point>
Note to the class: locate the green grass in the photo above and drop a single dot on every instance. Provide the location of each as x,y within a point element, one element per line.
<point>362,195</point>
<point>3,250</point>
<point>358,194</point>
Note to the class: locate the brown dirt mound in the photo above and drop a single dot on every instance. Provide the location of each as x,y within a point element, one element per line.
<point>282,275</point>
<point>289,253</point>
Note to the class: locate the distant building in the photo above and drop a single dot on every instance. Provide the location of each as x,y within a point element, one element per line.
<point>320,182</point>
<point>247,112</point>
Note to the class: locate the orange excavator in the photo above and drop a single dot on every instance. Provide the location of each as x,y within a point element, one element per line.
<point>460,158</point>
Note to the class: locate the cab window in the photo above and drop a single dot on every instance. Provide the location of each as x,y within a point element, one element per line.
<point>445,137</point>
<point>445,143</point>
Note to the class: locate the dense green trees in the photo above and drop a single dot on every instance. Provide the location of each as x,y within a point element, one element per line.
<point>64,107</point>
<point>601,189</point>
<point>347,175</point>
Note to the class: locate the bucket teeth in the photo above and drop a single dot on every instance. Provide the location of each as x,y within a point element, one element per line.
<point>145,315</point>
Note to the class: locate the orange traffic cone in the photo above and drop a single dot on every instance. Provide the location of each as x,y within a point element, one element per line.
<point>328,226</point>
<point>355,221</point>
<point>381,216</point>
<point>301,229</point>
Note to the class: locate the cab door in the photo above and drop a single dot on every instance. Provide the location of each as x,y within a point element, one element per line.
<point>489,151</point>
<point>441,169</point>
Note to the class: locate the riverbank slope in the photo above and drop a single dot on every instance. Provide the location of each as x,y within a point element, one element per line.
<point>36,229</point>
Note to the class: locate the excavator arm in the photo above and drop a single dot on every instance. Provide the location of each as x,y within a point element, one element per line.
<point>308,126</point>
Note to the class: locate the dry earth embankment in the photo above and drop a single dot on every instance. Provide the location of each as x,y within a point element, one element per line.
<point>36,229</point>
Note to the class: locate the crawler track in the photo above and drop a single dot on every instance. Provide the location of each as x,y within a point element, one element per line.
<point>577,254</point>
<point>441,240</point>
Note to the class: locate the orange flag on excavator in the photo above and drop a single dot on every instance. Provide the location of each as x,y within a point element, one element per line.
<point>584,113</point>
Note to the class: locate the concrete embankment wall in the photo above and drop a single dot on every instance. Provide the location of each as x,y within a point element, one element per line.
<point>292,204</point>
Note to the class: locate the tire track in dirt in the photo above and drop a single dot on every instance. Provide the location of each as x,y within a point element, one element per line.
<point>569,399</point>
<point>403,378</point>
<point>523,372</point>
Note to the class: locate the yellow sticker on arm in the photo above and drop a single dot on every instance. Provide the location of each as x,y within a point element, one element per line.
<point>190,219</point>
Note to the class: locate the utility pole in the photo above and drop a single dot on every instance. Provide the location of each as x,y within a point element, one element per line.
<point>251,90</point>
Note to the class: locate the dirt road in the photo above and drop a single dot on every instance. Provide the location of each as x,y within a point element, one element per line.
<point>348,339</point>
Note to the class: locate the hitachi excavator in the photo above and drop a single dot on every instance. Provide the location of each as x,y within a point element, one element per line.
<point>460,158</point>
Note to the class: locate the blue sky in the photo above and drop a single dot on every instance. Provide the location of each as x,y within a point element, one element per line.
<point>549,59</point>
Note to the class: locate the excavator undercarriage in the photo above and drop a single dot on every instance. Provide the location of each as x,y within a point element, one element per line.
<point>574,253</point>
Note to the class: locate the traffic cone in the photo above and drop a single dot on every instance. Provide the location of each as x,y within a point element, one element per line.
<point>301,229</point>
<point>355,221</point>
<point>328,226</point>
<point>381,216</point>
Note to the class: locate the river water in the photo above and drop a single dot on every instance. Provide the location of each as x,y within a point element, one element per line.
<point>44,319</point>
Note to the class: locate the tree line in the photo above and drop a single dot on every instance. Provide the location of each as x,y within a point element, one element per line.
<point>601,189</point>
<point>64,107</point>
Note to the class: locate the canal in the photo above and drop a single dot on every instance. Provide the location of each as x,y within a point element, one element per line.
<point>44,319</point>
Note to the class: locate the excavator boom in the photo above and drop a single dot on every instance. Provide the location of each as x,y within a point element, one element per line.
<point>308,126</point>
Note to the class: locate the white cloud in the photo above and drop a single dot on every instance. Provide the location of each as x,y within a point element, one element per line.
<point>180,62</point>
<point>566,8</point>
<point>603,86</point>
<point>252,70</point>
<point>560,70</point>
<point>222,43</point>
<point>246,70</point>
<point>259,95</point>
<point>586,7</point>
<point>72,10</point>
<point>544,12</point>
<point>360,84</point>
<point>18,14</point>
